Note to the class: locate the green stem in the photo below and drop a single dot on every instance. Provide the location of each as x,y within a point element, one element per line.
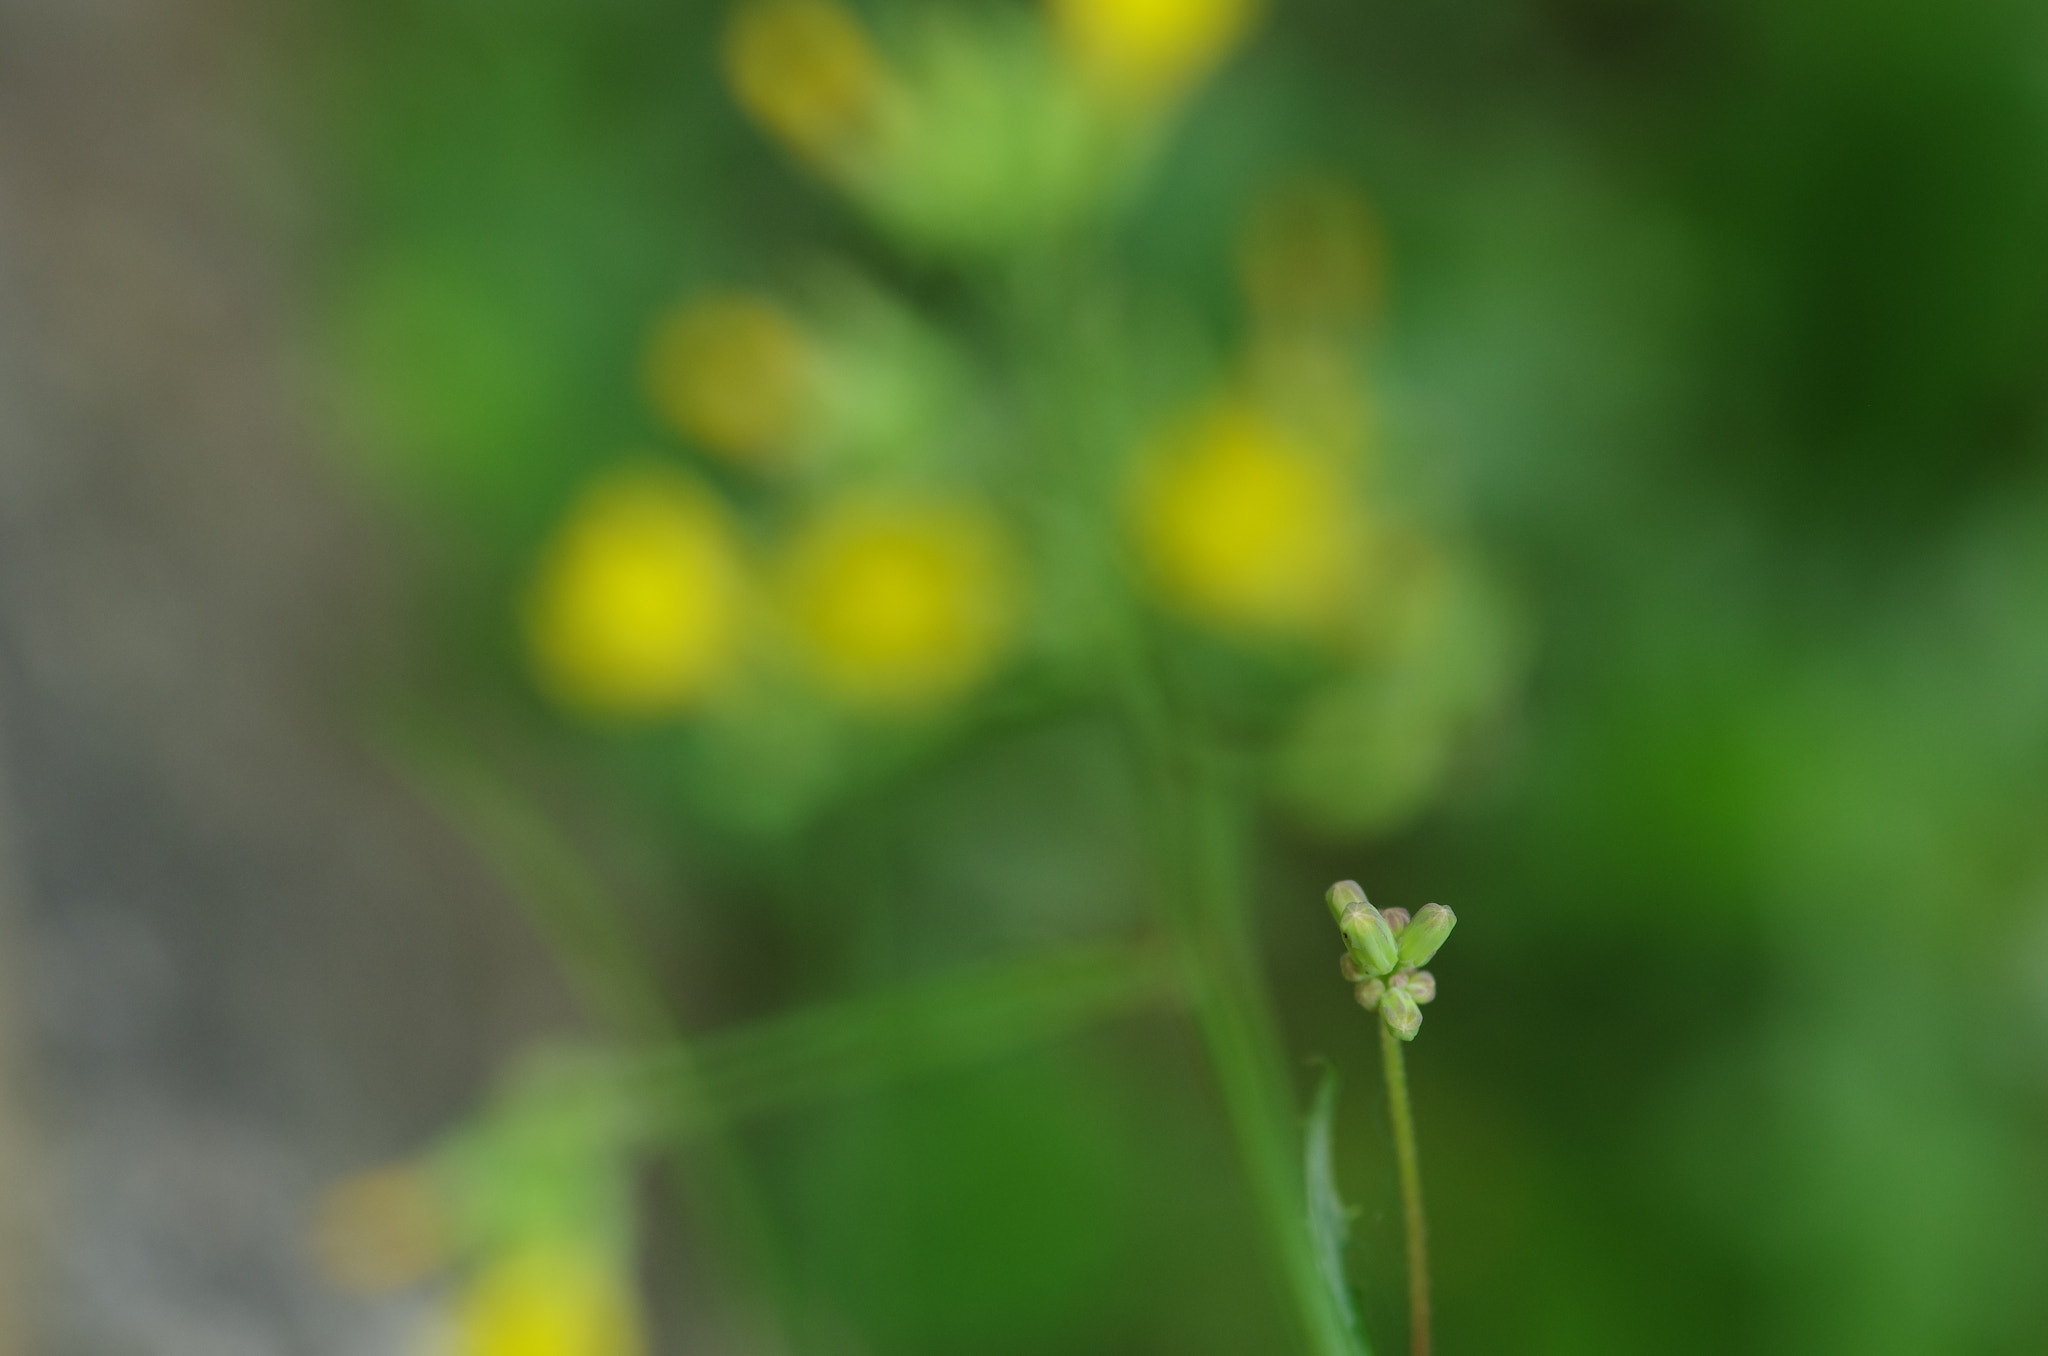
<point>1403,1118</point>
<point>1197,821</point>
<point>1199,833</point>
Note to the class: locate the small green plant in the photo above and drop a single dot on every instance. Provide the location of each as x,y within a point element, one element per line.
<point>1384,951</point>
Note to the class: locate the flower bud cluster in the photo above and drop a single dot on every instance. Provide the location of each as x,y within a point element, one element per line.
<point>1384,951</point>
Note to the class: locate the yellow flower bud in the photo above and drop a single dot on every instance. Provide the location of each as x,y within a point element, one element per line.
<point>901,604</point>
<point>1312,254</point>
<point>549,1300</point>
<point>805,70</point>
<point>1246,527</point>
<point>735,374</point>
<point>1145,54</point>
<point>380,1230</point>
<point>636,609</point>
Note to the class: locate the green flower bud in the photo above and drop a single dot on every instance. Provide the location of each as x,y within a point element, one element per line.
<point>1370,939</point>
<point>1397,919</point>
<point>1349,968</point>
<point>1345,896</point>
<point>1420,984</point>
<point>1421,938</point>
<point>1398,1010</point>
<point>1368,993</point>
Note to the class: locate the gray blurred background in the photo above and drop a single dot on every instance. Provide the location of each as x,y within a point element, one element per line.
<point>235,958</point>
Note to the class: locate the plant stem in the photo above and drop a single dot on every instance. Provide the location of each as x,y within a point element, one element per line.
<point>1391,1052</point>
<point>1199,832</point>
<point>1245,1047</point>
<point>1196,815</point>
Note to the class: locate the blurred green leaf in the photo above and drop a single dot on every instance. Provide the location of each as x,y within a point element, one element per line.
<point>1329,1220</point>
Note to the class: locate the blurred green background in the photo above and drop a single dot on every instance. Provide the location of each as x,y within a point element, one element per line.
<point>928,534</point>
<point>1709,338</point>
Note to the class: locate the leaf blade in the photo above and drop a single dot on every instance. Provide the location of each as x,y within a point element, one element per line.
<point>1329,1219</point>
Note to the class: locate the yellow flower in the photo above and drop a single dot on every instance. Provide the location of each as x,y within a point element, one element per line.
<point>897,603</point>
<point>637,606</point>
<point>1147,53</point>
<point>381,1229</point>
<point>1244,526</point>
<point>805,70</point>
<point>734,373</point>
<point>548,1300</point>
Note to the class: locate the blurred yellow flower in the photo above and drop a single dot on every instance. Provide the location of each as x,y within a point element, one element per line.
<point>637,606</point>
<point>805,70</point>
<point>379,1230</point>
<point>734,373</point>
<point>548,1300</point>
<point>1243,525</point>
<point>899,603</point>
<point>1146,53</point>
<point>1312,254</point>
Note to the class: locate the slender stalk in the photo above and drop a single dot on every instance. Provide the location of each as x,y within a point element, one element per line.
<point>1392,1056</point>
<point>1199,833</point>
<point>1246,1050</point>
<point>1197,817</point>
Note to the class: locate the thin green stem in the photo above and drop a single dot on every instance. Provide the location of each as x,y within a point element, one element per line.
<point>1403,1118</point>
<point>1199,836</point>
<point>1197,817</point>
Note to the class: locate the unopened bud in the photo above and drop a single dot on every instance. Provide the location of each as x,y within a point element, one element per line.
<point>1420,984</point>
<point>1421,938</point>
<point>1349,968</point>
<point>1343,897</point>
<point>1396,919</point>
<point>1398,1010</point>
<point>1369,992</point>
<point>1370,939</point>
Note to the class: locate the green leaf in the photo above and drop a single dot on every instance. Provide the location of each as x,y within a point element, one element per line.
<point>1329,1219</point>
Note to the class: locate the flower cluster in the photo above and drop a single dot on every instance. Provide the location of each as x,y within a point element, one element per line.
<point>877,576</point>
<point>859,531</point>
<point>1384,950</point>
